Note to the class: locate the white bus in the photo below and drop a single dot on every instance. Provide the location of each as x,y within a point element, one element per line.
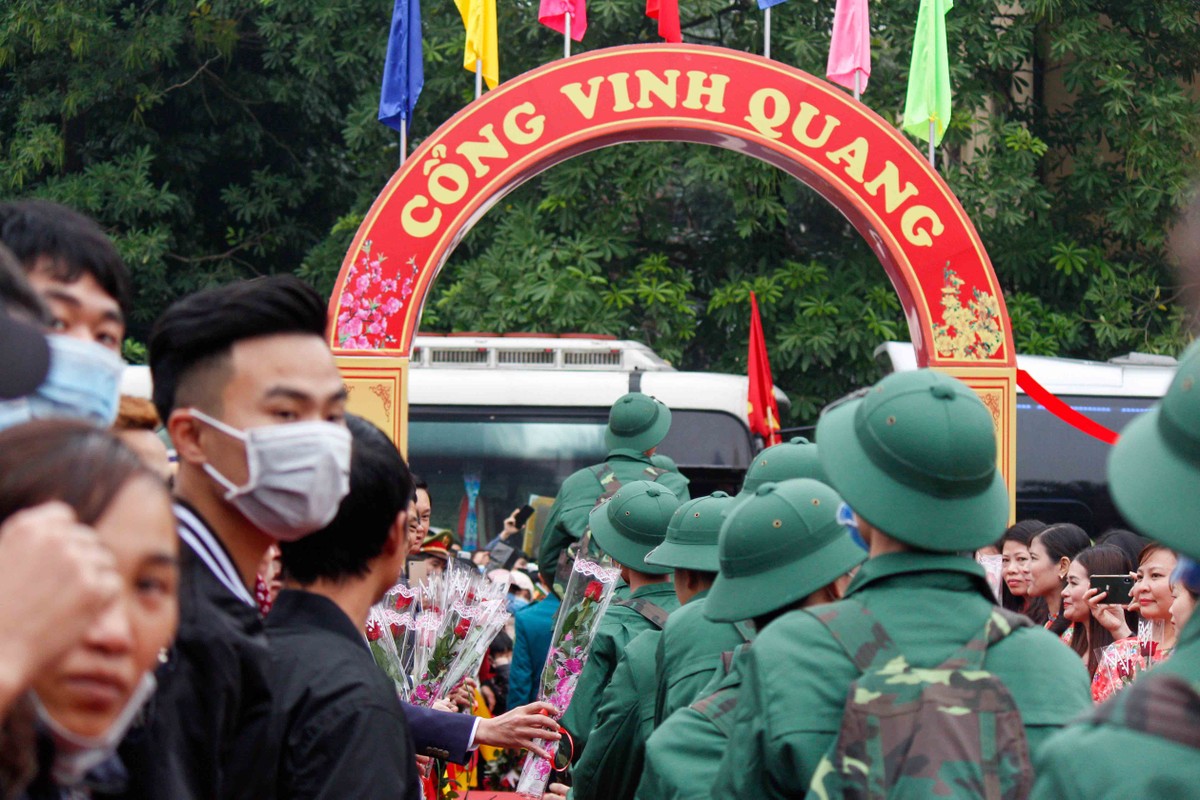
<point>520,413</point>
<point>1061,470</point>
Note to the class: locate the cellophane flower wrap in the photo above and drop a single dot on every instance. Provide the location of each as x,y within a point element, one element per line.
<point>1120,663</point>
<point>585,599</point>
<point>383,646</point>
<point>490,620</point>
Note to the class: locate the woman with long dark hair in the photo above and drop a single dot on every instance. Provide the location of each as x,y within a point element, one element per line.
<point>79,707</point>
<point>1014,552</point>
<point>1093,627</point>
<point>1050,556</point>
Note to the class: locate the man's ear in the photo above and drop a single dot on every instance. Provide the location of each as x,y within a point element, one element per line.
<point>184,430</point>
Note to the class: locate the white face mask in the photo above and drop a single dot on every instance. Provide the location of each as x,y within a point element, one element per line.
<point>76,755</point>
<point>297,475</point>
<point>84,382</point>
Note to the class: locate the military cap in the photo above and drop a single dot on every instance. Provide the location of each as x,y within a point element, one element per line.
<point>915,456</point>
<point>1154,469</point>
<point>777,547</point>
<point>637,422</point>
<point>795,458</point>
<point>692,535</point>
<point>633,522</point>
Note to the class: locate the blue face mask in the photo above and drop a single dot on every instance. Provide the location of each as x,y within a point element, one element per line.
<point>84,382</point>
<point>515,603</point>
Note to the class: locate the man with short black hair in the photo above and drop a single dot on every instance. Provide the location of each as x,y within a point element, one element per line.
<point>338,723</point>
<point>254,405</point>
<point>74,268</point>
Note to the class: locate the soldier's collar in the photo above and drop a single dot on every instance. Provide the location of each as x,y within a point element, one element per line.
<point>919,563</point>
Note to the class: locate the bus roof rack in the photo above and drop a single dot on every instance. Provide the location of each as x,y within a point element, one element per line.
<point>594,353</point>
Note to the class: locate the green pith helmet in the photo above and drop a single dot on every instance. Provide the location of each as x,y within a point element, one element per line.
<point>795,458</point>
<point>633,522</point>
<point>637,422</point>
<point>692,535</point>
<point>777,547</point>
<point>915,456</point>
<point>1154,469</point>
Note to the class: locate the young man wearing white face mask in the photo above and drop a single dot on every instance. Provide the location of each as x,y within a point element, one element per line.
<point>254,405</point>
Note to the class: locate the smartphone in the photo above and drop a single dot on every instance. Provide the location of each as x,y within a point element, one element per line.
<point>1117,586</point>
<point>522,516</point>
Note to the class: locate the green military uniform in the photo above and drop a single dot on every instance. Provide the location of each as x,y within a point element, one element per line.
<point>636,424</point>
<point>690,649</point>
<point>578,494</point>
<point>795,676</point>
<point>684,752</point>
<point>1153,472</point>
<point>1107,759</point>
<point>915,458</point>
<point>611,764</point>
<point>631,524</point>
<point>689,654</point>
<point>620,625</point>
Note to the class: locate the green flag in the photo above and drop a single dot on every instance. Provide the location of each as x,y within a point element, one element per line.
<point>929,74</point>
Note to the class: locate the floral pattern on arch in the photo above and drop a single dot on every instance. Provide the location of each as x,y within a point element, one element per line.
<point>373,293</point>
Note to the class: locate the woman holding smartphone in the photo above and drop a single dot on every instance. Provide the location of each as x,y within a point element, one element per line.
<point>1154,640</point>
<point>1095,624</point>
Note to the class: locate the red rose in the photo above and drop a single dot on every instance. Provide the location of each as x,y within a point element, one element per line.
<point>403,602</point>
<point>374,631</point>
<point>594,591</point>
<point>397,631</point>
<point>460,630</point>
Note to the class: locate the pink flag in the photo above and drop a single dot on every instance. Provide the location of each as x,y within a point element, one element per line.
<point>850,50</point>
<point>553,14</point>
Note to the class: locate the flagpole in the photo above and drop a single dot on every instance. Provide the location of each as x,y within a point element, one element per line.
<point>857,83</point>
<point>932,154</point>
<point>567,36</point>
<point>478,77</point>
<point>403,140</point>
<point>767,32</point>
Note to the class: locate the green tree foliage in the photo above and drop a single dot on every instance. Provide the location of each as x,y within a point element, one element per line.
<point>225,138</point>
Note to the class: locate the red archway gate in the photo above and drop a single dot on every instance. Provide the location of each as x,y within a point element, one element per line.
<point>707,95</point>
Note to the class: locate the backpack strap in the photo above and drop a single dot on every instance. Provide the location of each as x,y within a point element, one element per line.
<point>1000,623</point>
<point>656,615</point>
<point>717,708</point>
<point>606,476</point>
<point>654,473</point>
<point>1158,704</point>
<point>857,631</point>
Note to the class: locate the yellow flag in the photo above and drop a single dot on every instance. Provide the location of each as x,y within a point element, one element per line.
<point>479,18</point>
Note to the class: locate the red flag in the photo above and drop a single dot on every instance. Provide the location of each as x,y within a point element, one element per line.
<point>553,14</point>
<point>667,14</point>
<point>762,410</point>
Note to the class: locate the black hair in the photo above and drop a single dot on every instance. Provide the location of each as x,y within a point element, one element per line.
<point>380,486</point>
<point>199,331</point>
<point>72,244</point>
<point>1090,636</point>
<point>1022,532</point>
<point>419,483</point>
<point>1063,540</point>
<point>16,295</point>
<point>1129,542</point>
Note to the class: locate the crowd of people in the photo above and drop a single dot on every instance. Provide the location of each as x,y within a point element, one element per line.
<point>193,627</point>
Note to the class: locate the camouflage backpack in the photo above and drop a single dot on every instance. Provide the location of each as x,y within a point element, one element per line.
<point>1158,704</point>
<point>610,484</point>
<point>907,732</point>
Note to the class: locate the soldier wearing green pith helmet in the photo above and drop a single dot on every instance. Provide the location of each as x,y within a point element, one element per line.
<point>915,458</point>
<point>1144,742</point>
<point>780,549</point>
<point>637,423</point>
<point>626,527</point>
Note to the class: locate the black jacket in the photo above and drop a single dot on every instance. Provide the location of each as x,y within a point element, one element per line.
<point>204,734</point>
<point>342,730</point>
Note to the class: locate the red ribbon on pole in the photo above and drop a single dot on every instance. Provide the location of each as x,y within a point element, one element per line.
<point>1058,408</point>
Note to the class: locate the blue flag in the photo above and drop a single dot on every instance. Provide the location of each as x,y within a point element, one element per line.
<point>403,71</point>
<point>763,5</point>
